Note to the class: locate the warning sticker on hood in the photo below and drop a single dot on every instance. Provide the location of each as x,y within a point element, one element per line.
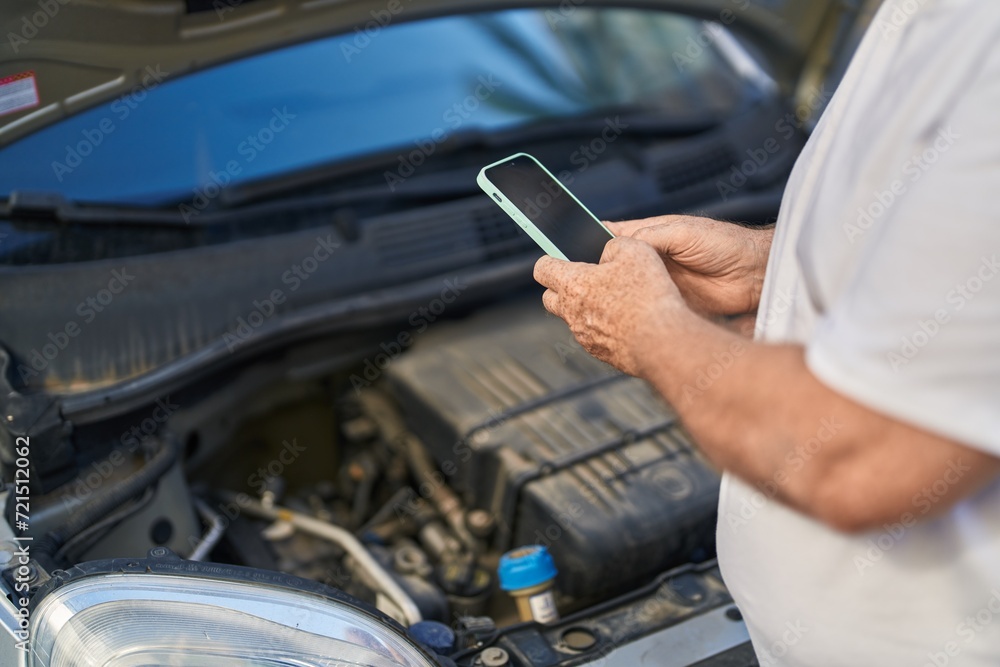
<point>18,92</point>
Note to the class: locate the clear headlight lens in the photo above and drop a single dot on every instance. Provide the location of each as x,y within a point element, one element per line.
<point>140,620</point>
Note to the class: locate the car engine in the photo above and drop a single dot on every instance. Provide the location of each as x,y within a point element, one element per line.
<point>402,476</point>
<point>486,434</point>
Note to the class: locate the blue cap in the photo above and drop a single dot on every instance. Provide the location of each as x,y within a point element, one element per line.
<point>525,567</point>
<point>435,635</point>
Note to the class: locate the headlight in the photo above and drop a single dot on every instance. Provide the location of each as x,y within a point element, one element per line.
<point>160,612</point>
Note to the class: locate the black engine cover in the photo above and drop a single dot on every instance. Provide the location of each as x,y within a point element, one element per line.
<point>562,449</point>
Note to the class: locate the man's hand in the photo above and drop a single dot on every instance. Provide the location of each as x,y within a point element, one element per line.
<point>617,309</point>
<point>718,266</point>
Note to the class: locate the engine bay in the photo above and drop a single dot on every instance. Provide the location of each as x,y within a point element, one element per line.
<point>402,478</point>
<point>488,434</point>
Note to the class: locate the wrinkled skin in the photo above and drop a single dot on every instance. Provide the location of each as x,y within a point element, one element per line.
<point>653,267</point>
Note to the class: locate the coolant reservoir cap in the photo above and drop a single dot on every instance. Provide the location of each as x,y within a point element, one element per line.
<point>525,567</point>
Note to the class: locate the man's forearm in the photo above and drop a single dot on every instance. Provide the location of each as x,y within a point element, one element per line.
<point>735,397</point>
<point>757,411</point>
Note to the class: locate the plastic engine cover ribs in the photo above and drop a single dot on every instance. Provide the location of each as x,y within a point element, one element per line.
<point>560,448</point>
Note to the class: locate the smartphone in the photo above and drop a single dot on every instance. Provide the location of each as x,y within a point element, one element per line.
<point>543,207</point>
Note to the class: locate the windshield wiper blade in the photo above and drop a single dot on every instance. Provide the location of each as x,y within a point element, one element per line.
<point>55,208</point>
<point>36,205</point>
<point>637,122</point>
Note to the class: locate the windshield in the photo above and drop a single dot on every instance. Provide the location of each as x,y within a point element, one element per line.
<point>352,95</point>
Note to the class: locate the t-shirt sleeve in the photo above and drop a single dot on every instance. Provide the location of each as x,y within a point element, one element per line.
<point>916,334</point>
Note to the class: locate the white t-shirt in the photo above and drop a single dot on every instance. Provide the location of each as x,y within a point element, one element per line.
<point>886,266</point>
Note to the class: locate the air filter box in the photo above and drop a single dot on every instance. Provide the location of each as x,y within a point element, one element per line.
<point>560,448</point>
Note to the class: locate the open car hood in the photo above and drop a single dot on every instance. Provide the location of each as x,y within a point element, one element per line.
<point>76,55</point>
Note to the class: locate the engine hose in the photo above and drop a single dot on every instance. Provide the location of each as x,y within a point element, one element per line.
<point>383,579</point>
<point>102,504</point>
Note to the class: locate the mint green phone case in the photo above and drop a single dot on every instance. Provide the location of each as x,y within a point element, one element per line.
<point>527,225</point>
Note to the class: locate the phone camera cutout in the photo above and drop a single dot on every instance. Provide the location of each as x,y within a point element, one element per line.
<point>497,197</point>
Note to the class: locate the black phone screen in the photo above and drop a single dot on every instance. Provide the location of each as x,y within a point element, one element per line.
<point>546,203</point>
